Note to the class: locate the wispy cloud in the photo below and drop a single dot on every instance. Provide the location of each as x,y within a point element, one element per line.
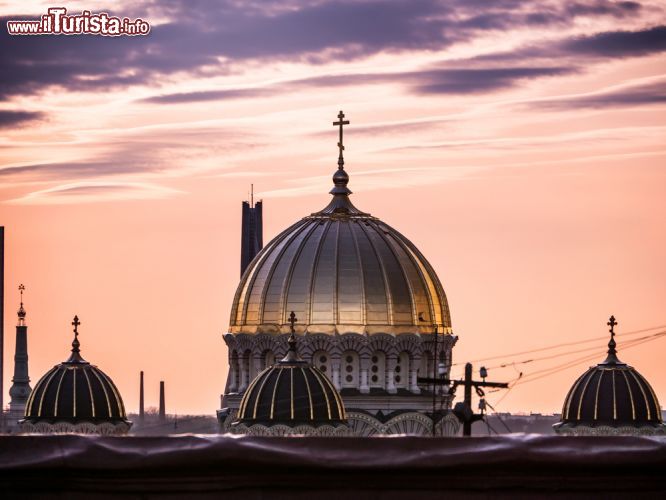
<point>626,95</point>
<point>207,38</point>
<point>95,191</point>
<point>10,118</point>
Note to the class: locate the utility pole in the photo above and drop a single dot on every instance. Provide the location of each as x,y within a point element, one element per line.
<point>463,410</point>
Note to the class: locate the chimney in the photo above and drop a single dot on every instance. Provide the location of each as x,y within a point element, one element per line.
<point>162,410</point>
<point>141,414</point>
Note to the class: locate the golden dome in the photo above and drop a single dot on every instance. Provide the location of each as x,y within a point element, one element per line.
<point>342,271</point>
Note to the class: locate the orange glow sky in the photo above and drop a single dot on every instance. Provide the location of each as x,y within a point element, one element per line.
<point>519,145</point>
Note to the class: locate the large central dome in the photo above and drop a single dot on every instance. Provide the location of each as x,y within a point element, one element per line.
<point>341,271</point>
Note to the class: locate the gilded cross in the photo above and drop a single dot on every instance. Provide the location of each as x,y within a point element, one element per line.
<point>292,321</point>
<point>21,288</point>
<point>76,324</point>
<point>340,123</point>
<point>612,324</point>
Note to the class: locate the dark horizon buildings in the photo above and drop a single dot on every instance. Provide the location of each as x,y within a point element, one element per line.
<point>252,240</point>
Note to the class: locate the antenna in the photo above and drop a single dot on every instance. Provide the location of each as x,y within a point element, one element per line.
<point>251,195</point>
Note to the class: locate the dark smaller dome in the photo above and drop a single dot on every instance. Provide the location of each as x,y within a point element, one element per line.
<point>611,394</point>
<point>291,392</point>
<point>75,391</point>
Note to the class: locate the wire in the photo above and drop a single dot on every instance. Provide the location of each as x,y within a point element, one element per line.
<point>565,344</point>
<point>499,418</point>
<point>627,344</point>
<point>555,369</point>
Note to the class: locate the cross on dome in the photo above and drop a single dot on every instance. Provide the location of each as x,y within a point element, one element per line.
<point>75,342</point>
<point>612,352</point>
<point>341,122</point>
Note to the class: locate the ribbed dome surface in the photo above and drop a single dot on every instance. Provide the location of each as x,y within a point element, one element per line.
<point>340,270</point>
<point>75,391</point>
<point>291,393</point>
<point>611,394</point>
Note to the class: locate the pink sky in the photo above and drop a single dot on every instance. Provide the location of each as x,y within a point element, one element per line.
<point>520,146</point>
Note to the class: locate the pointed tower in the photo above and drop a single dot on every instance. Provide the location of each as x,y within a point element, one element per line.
<point>20,389</point>
<point>252,240</point>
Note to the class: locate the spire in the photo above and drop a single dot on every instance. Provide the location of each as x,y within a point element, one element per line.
<point>21,311</point>
<point>292,355</point>
<point>612,352</point>
<point>340,177</point>
<point>75,357</point>
<point>20,389</point>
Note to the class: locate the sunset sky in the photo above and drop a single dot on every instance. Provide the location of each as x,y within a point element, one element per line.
<point>521,145</point>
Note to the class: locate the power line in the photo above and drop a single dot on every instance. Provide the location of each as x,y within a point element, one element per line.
<point>552,370</point>
<point>627,344</point>
<point>564,344</point>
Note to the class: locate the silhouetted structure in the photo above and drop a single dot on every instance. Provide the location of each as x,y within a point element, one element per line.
<point>141,408</point>
<point>162,406</point>
<point>252,240</point>
<point>368,304</point>
<point>611,398</point>
<point>75,396</point>
<point>20,389</point>
<point>2,319</point>
<point>291,397</point>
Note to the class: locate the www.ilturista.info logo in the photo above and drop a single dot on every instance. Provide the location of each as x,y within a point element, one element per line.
<point>58,22</point>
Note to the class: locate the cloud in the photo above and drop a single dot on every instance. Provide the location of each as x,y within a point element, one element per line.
<point>619,43</point>
<point>434,80</point>
<point>632,95</point>
<point>210,36</point>
<point>9,118</point>
<point>216,38</point>
<point>477,80</point>
<point>95,191</point>
<point>210,95</point>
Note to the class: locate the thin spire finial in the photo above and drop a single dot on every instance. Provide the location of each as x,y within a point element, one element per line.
<point>75,357</point>
<point>612,352</point>
<point>21,312</point>
<point>340,177</point>
<point>292,354</point>
<point>75,342</point>
<point>341,122</point>
<point>292,322</point>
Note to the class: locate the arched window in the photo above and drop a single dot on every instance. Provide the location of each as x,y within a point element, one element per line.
<point>246,369</point>
<point>349,377</point>
<point>322,360</point>
<point>377,375</point>
<point>401,372</point>
<point>425,368</point>
<point>267,359</point>
<point>234,372</point>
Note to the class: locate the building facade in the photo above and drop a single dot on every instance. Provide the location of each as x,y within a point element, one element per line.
<point>370,308</point>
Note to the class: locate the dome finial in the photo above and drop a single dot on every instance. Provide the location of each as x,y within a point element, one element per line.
<point>21,312</point>
<point>75,357</point>
<point>292,354</point>
<point>75,342</point>
<point>340,177</point>
<point>612,352</point>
